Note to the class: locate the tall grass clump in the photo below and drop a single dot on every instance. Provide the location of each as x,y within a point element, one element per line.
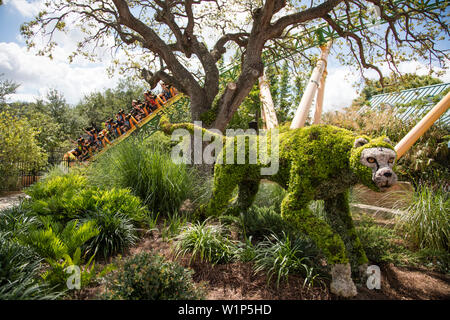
<point>19,272</point>
<point>206,242</point>
<point>260,222</point>
<point>148,171</point>
<point>283,256</point>
<point>117,233</point>
<point>426,222</point>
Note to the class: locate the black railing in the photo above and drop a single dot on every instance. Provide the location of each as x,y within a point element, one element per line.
<point>18,175</point>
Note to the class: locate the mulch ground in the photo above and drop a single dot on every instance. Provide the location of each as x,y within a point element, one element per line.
<point>237,281</point>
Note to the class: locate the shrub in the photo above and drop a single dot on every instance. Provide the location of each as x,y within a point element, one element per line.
<point>121,201</point>
<point>205,242</point>
<point>150,277</point>
<point>69,196</point>
<point>117,233</point>
<point>281,256</point>
<point>55,184</point>
<point>150,174</point>
<point>426,223</point>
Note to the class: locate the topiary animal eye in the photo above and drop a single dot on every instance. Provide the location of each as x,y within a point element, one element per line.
<point>371,160</point>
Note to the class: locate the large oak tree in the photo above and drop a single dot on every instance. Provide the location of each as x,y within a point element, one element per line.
<point>175,33</point>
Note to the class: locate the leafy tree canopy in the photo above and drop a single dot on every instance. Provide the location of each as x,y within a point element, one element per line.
<point>182,42</point>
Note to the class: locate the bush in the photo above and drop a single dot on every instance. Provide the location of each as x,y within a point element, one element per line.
<point>426,223</point>
<point>281,256</point>
<point>69,197</point>
<point>148,172</point>
<point>205,242</point>
<point>56,185</point>
<point>150,277</point>
<point>117,233</point>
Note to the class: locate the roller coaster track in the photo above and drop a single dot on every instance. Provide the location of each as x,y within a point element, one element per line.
<point>152,118</point>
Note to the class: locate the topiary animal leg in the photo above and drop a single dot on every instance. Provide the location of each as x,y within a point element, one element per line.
<point>294,209</point>
<point>226,179</point>
<point>247,192</point>
<point>338,213</point>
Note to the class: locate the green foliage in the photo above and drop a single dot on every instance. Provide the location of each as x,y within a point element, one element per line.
<point>395,83</point>
<point>52,243</point>
<point>426,223</point>
<point>434,259</point>
<point>68,196</point>
<point>117,233</point>
<point>150,174</point>
<point>206,242</point>
<point>17,220</point>
<point>17,145</point>
<point>270,194</point>
<point>428,158</point>
<point>19,271</point>
<point>381,244</point>
<point>281,256</point>
<point>150,277</point>
<point>260,222</point>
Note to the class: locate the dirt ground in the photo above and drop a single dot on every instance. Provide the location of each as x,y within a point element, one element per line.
<point>11,198</point>
<point>237,281</point>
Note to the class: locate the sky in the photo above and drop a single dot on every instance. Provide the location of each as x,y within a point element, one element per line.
<point>37,75</point>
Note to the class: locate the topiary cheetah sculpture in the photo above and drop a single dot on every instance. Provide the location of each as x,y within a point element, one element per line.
<point>316,162</point>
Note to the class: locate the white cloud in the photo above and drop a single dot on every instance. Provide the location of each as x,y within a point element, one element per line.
<point>38,74</point>
<point>26,8</point>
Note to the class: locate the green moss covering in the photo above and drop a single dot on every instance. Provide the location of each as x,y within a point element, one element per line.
<point>316,162</point>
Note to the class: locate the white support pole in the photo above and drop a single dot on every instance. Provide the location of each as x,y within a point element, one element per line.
<point>320,95</point>
<point>267,108</point>
<point>311,89</point>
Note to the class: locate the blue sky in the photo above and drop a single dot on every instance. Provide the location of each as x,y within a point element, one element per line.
<point>38,74</point>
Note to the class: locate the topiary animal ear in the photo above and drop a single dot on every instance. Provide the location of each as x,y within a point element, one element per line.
<point>388,140</point>
<point>360,142</point>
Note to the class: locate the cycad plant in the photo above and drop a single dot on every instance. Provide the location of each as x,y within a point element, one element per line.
<point>63,247</point>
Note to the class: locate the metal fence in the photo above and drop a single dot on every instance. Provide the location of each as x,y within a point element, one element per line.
<point>18,175</point>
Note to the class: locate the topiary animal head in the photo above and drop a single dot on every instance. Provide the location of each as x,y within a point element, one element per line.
<point>373,160</point>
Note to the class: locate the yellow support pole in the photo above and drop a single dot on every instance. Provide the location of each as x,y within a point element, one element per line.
<point>422,126</point>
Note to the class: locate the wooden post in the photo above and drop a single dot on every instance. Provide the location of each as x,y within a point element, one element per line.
<point>422,126</point>
<point>311,89</point>
<point>267,107</point>
<point>320,94</point>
